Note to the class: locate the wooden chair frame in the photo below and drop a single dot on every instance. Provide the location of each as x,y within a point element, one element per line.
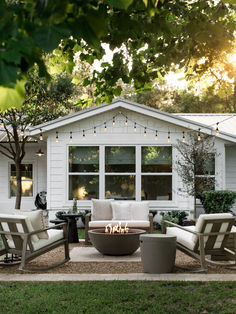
<point>200,249</point>
<point>23,243</point>
<point>88,219</point>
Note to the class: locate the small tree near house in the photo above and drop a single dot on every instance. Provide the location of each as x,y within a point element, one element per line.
<point>196,165</point>
<point>43,102</point>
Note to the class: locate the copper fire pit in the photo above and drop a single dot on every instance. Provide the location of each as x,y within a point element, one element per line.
<point>115,243</point>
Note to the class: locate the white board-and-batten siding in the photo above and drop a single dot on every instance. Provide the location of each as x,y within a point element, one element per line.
<point>57,166</point>
<point>7,203</point>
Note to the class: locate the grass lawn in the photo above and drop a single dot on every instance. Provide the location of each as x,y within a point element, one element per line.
<point>118,297</point>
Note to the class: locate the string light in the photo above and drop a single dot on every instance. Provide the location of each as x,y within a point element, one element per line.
<point>83,135</point>
<point>71,136</point>
<point>145,131</point>
<point>2,124</point>
<point>199,135</point>
<point>113,121</point>
<point>156,136</point>
<point>135,128</point>
<point>105,126</point>
<point>183,138</point>
<point>94,131</point>
<point>57,140</point>
<point>217,129</point>
<point>126,121</point>
<point>168,136</point>
<point>41,135</point>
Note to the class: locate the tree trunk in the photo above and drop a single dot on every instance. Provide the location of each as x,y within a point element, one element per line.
<point>235,94</point>
<point>195,207</point>
<point>18,184</point>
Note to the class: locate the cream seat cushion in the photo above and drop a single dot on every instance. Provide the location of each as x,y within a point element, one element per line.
<point>53,236</point>
<point>36,218</point>
<point>130,223</point>
<point>101,209</point>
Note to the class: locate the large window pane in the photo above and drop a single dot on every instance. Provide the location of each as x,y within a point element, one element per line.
<point>156,159</point>
<point>26,171</point>
<point>157,188</point>
<point>120,187</point>
<point>120,159</point>
<point>26,187</point>
<point>83,159</point>
<point>83,187</point>
<point>208,168</point>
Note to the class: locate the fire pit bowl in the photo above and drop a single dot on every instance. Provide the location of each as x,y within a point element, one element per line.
<point>115,243</point>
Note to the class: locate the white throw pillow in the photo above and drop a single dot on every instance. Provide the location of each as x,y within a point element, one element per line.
<point>121,211</point>
<point>36,218</point>
<point>140,210</point>
<point>29,225</point>
<point>101,209</point>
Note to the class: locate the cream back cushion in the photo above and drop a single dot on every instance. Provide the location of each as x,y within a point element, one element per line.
<point>36,219</point>
<point>101,209</point>
<point>140,210</point>
<point>121,211</point>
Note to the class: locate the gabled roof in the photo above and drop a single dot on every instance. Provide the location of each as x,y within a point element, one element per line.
<point>177,119</point>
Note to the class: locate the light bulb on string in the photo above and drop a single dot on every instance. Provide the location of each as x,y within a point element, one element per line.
<point>126,121</point>
<point>2,124</point>
<point>217,129</point>
<point>168,137</point>
<point>84,135</point>
<point>22,131</point>
<point>156,136</point>
<point>135,127</point>
<point>94,131</point>
<point>105,126</point>
<point>41,135</point>
<point>183,138</point>
<point>145,131</point>
<point>113,121</point>
<point>57,139</point>
<point>70,136</point>
<point>199,135</point>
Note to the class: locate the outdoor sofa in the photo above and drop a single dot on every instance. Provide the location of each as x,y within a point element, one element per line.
<point>131,213</point>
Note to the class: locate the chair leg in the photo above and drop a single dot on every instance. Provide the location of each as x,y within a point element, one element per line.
<point>66,248</point>
<point>202,253</point>
<point>23,256</point>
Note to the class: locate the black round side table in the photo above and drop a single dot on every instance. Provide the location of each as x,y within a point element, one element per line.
<point>72,227</point>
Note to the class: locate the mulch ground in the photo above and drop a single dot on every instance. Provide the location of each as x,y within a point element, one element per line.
<point>105,267</point>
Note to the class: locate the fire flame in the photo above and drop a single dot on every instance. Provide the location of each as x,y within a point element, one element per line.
<point>116,228</point>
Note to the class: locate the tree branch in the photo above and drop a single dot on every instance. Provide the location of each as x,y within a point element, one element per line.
<point>5,154</point>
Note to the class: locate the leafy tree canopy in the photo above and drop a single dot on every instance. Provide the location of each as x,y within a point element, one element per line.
<point>152,37</point>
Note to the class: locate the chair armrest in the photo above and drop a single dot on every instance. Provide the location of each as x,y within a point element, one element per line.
<point>63,224</point>
<point>88,218</point>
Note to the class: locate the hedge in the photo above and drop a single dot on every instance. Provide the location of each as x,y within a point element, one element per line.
<point>218,201</point>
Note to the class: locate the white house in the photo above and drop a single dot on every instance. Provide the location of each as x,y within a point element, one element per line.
<point>122,150</point>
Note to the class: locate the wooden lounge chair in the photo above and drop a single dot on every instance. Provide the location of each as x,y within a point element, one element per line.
<point>18,238</point>
<point>208,237</point>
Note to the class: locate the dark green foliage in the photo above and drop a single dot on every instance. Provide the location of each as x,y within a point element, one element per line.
<point>175,216</point>
<point>59,214</point>
<point>218,201</point>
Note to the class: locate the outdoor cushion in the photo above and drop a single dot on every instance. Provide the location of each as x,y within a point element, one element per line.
<point>101,209</point>
<point>36,218</point>
<point>140,210</point>
<point>19,226</point>
<point>130,223</point>
<point>121,211</point>
<point>53,236</point>
<point>183,237</point>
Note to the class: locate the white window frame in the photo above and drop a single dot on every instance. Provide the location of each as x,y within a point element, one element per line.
<point>26,162</point>
<point>138,174</point>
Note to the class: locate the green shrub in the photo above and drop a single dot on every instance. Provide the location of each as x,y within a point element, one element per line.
<point>218,201</point>
<point>175,216</point>
<point>59,214</point>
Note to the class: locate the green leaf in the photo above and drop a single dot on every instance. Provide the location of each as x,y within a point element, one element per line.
<point>230,1</point>
<point>119,4</point>
<point>12,97</point>
<point>48,37</point>
<point>8,73</point>
<point>97,22</point>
